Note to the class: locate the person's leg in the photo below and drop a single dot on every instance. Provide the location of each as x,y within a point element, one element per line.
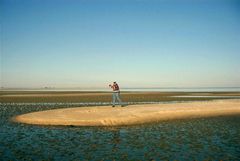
<point>113,99</point>
<point>118,98</point>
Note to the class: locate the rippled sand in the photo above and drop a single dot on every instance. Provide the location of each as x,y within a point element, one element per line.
<point>130,115</point>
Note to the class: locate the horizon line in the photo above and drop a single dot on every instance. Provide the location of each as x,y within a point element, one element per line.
<point>170,87</point>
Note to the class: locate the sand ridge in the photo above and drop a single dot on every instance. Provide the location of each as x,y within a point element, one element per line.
<point>130,115</point>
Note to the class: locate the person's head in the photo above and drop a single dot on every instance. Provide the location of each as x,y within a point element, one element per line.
<point>114,82</point>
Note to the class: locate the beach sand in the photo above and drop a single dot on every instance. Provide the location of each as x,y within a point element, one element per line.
<point>132,114</point>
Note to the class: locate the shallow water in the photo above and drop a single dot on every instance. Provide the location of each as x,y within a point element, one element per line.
<point>195,96</point>
<point>156,89</point>
<point>196,139</point>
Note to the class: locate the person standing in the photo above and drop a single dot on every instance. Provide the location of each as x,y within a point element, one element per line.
<point>116,94</point>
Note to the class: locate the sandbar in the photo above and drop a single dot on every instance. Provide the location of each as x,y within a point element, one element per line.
<point>130,115</point>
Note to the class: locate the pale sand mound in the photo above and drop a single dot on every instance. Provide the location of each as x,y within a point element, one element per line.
<point>130,115</point>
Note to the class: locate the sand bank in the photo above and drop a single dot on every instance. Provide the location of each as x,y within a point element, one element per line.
<point>130,115</point>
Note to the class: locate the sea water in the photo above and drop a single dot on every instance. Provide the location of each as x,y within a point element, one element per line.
<point>153,89</point>
<point>194,139</point>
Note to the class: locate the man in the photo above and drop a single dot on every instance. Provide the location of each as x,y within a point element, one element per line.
<point>116,94</point>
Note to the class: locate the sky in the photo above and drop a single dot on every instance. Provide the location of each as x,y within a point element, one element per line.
<point>138,43</point>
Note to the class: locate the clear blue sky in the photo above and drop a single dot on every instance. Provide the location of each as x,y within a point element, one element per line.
<point>138,43</point>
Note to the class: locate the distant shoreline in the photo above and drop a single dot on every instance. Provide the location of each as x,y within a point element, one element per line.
<point>140,89</point>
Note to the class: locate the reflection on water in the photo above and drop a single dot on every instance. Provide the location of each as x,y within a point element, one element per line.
<point>197,139</point>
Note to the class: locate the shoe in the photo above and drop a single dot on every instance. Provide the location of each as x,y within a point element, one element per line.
<point>113,106</point>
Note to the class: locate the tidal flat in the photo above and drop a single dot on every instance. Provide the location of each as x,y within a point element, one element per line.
<point>215,138</point>
<point>90,96</point>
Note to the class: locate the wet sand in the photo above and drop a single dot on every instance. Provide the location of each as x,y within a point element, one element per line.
<point>131,115</point>
<point>87,96</point>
